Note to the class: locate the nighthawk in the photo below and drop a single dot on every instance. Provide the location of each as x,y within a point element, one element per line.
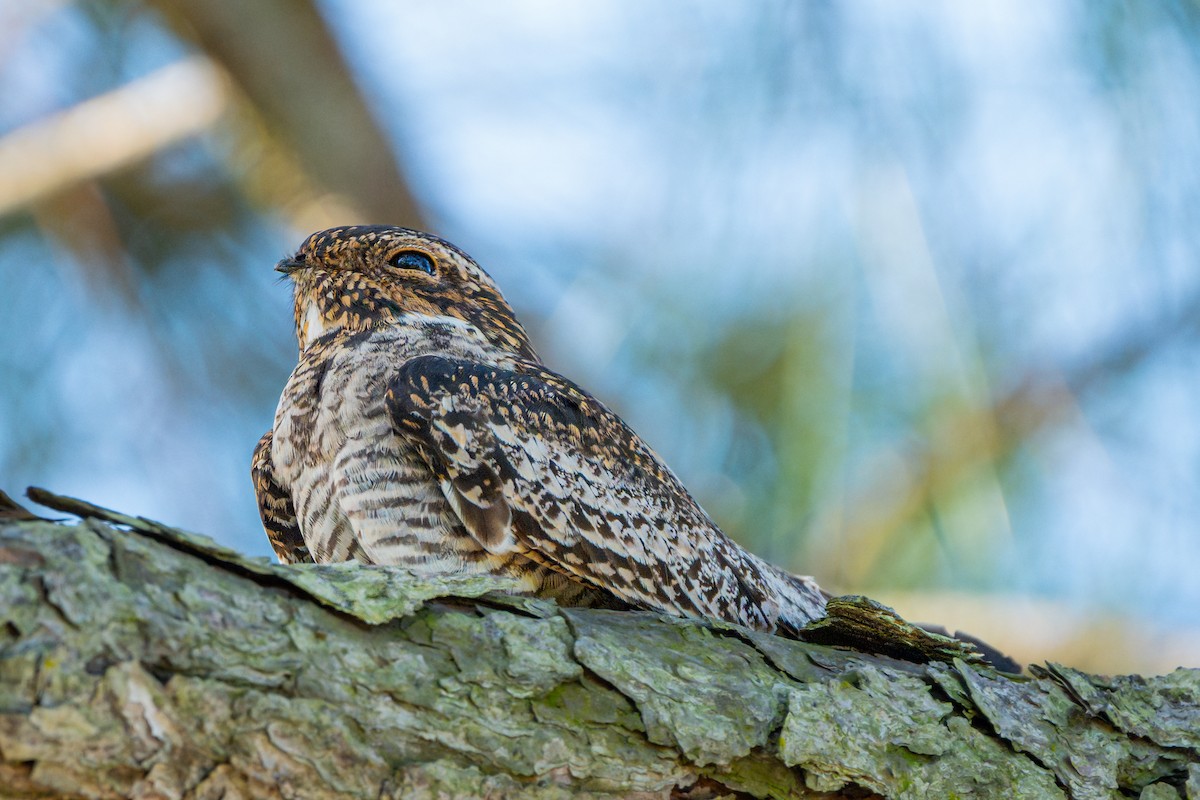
<point>421,429</point>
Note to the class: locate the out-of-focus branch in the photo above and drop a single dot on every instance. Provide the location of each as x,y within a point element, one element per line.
<point>108,132</point>
<point>960,445</point>
<point>309,147</point>
<point>282,56</point>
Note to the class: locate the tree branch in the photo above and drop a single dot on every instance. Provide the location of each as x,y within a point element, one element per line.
<point>152,663</point>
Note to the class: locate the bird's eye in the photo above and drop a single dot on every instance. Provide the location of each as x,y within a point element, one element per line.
<point>412,259</point>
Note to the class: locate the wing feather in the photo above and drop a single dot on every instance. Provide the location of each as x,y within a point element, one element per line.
<point>275,507</point>
<point>532,464</point>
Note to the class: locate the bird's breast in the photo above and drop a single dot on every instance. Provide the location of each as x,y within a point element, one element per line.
<point>358,488</point>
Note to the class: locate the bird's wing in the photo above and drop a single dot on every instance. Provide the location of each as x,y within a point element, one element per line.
<point>533,464</point>
<point>275,507</point>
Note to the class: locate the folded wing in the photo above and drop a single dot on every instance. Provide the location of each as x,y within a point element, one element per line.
<point>275,507</point>
<point>533,464</point>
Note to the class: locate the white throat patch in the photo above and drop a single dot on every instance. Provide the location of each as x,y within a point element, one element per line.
<point>312,326</point>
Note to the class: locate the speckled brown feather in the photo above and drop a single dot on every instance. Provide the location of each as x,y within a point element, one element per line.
<point>420,428</point>
<point>363,293</point>
<point>537,466</point>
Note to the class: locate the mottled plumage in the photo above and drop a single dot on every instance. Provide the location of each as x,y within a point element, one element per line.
<point>420,428</point>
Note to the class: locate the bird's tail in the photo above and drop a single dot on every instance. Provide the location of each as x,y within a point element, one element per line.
<point>800,600</point>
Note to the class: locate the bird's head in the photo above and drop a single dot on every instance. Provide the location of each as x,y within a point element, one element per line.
<point>356,278</point>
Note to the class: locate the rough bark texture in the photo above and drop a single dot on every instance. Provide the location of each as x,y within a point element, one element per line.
<point>140,661</point>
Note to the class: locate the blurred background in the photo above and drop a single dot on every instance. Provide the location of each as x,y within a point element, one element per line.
<point>906,292</point>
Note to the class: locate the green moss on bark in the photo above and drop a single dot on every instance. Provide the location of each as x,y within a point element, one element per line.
<point>151,663</point>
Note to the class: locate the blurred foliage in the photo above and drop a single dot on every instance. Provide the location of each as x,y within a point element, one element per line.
<point>906,293</point>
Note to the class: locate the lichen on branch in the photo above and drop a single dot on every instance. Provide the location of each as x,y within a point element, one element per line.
<point>137,660</point>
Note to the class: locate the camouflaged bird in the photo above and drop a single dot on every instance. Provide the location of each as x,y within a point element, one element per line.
<point>421,429</point>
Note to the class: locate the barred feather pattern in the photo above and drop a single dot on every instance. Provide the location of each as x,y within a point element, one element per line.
<point>421,429</point>
<point>359,490</point>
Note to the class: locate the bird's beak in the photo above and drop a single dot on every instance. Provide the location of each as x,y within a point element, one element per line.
<point>289,265</point>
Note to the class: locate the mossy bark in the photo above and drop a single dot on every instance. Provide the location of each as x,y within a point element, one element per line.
<point>140,661</point>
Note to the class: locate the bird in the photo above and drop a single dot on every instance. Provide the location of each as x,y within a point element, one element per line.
<point>421,429</point>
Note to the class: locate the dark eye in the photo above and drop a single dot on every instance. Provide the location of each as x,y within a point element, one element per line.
<point>412,259</point>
